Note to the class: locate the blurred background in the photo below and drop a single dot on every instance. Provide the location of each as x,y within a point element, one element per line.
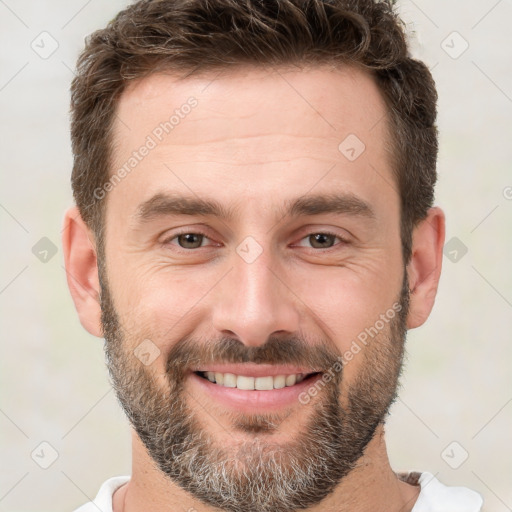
<point>62,433</point>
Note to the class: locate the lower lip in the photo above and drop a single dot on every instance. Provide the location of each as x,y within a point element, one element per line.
<point>253,401</point>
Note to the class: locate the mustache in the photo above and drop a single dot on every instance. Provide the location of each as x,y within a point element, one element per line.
<point>189,353</point>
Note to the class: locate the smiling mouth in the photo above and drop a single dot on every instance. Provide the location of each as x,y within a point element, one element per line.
<point>263,383</point>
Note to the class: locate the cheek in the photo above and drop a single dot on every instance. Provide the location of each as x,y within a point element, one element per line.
<point>345,303</point>
<point>162,306</point>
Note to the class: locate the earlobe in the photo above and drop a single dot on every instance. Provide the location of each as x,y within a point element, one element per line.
<point>82,270</point>
<point>424,268</point>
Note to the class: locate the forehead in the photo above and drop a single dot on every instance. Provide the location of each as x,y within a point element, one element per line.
<point>250,130</point>
<point>324,99</point>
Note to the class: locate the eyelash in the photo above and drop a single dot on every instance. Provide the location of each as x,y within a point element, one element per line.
<point>328,233</point>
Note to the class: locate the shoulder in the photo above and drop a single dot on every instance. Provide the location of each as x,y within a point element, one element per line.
<point>103,500</point>
<point>436,497</point>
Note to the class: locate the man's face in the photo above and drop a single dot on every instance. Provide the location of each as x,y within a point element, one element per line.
<point>302,257</point>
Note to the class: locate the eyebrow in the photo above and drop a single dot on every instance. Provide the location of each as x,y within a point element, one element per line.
<point>163,204</point>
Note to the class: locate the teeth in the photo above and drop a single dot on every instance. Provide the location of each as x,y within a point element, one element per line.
<point>280,382</point>
<point>291,380</point>
<point>264,383</point>
<point>245,382</point>
<point>268,383</point>
<point>229,380</point>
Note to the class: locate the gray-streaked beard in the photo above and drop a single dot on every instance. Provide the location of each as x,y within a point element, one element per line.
<point>256,475</point>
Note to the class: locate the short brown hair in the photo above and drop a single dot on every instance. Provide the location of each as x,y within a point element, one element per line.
<point>189,36</point>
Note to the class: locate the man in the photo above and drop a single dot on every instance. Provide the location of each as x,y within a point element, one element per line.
<point>254,234</point>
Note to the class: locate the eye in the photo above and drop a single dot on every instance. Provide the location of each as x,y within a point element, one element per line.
<point>322,240</point>
<point>196,240</point>
<point>188,240</point>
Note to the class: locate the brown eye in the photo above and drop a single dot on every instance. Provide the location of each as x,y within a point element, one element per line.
<point>322,240</point>
<point>190,240</point>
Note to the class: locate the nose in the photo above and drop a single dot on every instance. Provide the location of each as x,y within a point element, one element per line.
<point>253,302</point>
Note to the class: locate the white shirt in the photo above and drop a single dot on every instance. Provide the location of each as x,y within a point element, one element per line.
<point>433,497</point>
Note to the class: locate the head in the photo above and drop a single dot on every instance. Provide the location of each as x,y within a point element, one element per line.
<point>254,186</point>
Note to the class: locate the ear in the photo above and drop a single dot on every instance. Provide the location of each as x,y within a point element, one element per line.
<point>424,268</point>
<point>82,270</point>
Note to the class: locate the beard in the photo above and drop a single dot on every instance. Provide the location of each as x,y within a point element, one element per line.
<point>255,473</point>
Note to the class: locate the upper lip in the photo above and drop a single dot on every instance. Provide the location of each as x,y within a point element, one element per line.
<point>255,370</point>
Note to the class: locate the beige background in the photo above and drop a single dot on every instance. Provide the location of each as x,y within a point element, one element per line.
<point>457,385</point>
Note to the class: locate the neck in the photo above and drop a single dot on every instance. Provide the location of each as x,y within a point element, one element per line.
<point>370,486</point>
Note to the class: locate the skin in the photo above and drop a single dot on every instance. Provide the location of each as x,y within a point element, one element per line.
<point>257,138</point>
